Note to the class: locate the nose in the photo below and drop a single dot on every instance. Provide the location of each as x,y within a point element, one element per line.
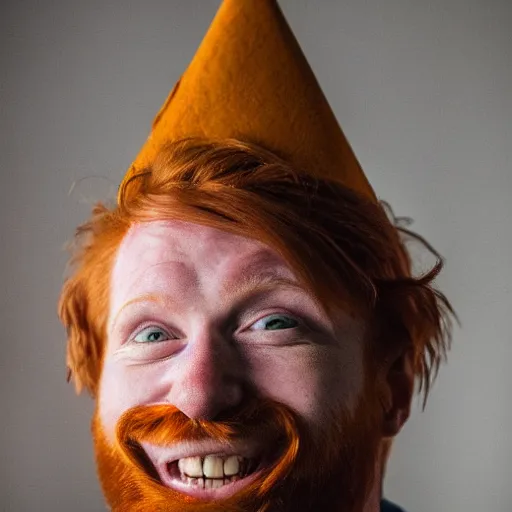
<point>208,379</point>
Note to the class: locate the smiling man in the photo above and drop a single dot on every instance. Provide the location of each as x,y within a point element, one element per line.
<point>245,315</point>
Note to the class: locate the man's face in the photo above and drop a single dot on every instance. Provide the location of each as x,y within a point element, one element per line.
<point>208,326</point>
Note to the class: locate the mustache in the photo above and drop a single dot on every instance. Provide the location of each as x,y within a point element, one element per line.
<point>162,424</point>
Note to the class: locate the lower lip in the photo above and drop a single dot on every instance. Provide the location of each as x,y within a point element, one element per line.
<point>195,491</point>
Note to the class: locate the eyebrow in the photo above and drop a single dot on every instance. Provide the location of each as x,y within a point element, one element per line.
<point>253,283</point>
<point>147,297</point>
<point>260,272</point>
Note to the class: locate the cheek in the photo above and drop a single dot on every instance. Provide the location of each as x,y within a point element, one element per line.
<point>312,381</point>
<point>123,387</point>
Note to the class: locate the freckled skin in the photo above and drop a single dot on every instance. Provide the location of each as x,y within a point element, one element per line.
<point>211,346</point>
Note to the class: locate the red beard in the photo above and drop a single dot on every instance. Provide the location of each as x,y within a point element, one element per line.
<point>334,470</point>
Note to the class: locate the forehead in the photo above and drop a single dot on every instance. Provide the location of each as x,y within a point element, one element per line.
<point>184,239</point>
<point>188,252</point>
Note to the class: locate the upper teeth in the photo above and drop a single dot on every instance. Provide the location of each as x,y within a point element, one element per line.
<point>210,466</point>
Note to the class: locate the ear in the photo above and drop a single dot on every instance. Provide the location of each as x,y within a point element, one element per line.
<point>397,391</point>
<point>83,349</point>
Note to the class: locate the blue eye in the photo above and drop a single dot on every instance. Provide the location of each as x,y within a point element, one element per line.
<point>151,334</point>
<point>276,322</point>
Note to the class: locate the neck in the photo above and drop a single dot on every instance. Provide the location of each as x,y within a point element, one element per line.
<point>372,503</point>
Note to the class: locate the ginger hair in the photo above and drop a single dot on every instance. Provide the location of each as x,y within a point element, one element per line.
<point>342,246</point>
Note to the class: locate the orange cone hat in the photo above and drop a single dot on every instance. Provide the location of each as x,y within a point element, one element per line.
<point>249,80</point>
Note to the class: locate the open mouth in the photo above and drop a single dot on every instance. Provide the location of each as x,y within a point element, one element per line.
<point>211,475</point>
<point>207,475</point>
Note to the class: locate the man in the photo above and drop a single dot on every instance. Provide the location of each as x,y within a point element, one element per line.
<point>246,315</point>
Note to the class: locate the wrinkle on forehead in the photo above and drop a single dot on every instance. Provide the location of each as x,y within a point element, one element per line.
<point>192,255</point>
<point>189,241</point>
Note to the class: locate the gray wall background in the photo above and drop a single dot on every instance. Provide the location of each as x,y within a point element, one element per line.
<point>423,90</point>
